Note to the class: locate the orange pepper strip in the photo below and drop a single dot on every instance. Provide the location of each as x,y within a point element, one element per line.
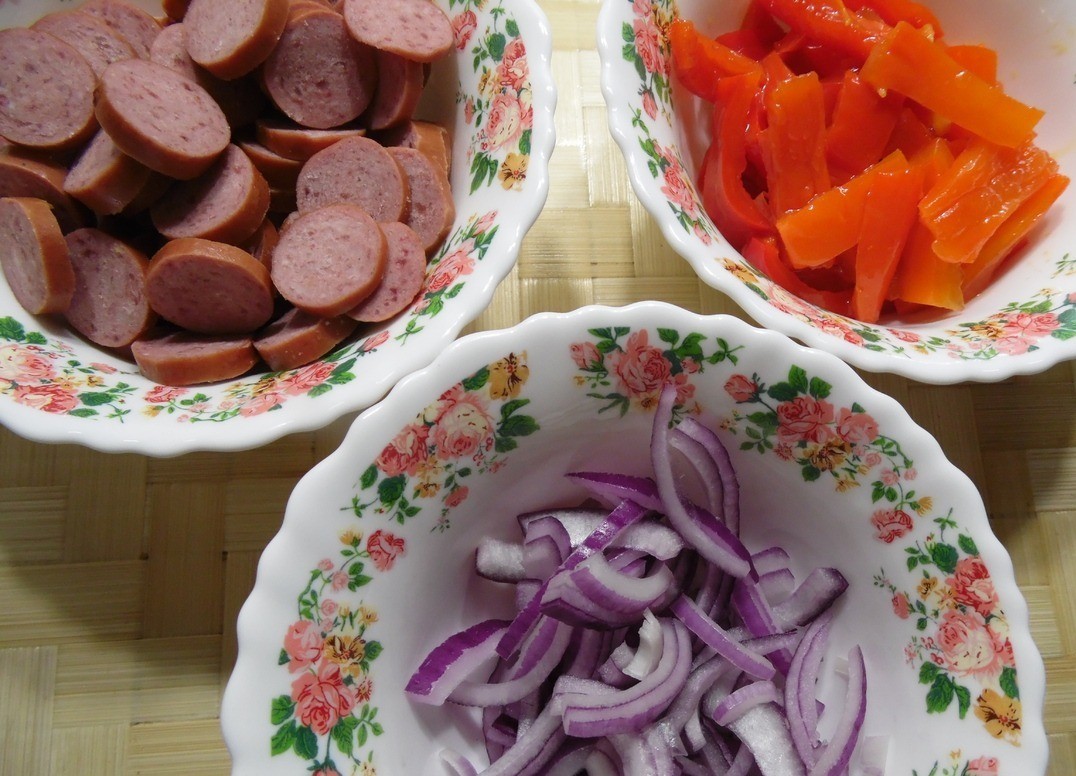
<point>910,135</point>
<point>794,148</point>
<point>829,224</point>
<point>763,254</point>
<point>979,273</point>
<point>830,23</point>
<point>863,122</point>
<point>907,62</point>
<point>699,62</point>
<point>981,60</point>
<point>973,197</point>
<point>894,11</point>
<point>888,216</point>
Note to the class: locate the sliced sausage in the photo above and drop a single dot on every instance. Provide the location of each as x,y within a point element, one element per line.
<point>109,306</point>
<point>282,201</point>
<point>46,91</point>
<point>226,203</point>
<point>399,86</point>
<point>231,39</point>
<point>356,170</point>
<point>431,139</point>
<point>241,100</point>
<point>175,9</point>
<point>22,175</point>
<point>130,22</point>
<point>104,178</point>
<point>98,43</point>
<point>415,29</point>
<point>262,244</point>
<point>148,195</point>
<point>318,75</point>
<point>297,338</point>
<point>161,118</point>
<point>209,287</point>
<point>329,260</point>
<point>34,259</point>
<point>279,171</point>
<point>432,209</point>
<point>405,269</point>
<point>182,358</point>
<point>295,142</point>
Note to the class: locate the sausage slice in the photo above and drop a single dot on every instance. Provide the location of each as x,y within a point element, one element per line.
<point>329,260</point>
<point>104,178</point>
<point>405,270</point>
<point>34,256</point>
<point>46,91</point>
<point>209,287</point>
<point>297,338</point>
<point>415,29</point>
<point>227,203</point>
<point>230,39</point>
<point>161,118</point>
<point>399,87</point>
<point>432,209</point>
<point>23,175</point>
<point>130,22</point>
<point>98,43</point>
<point>109,306</point>
<point>182,358</point>
<point>356,170</point>
<point>295,142</point>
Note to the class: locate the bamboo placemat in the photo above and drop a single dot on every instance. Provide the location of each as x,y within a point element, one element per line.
<point>121,576</point>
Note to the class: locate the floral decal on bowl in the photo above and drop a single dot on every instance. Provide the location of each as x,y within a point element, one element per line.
<point>327,718</point>
<point>1021,326</point>
<point>501,109</point>
<point>960,766</point>
<point>467,431</point>
<point>960,646</point>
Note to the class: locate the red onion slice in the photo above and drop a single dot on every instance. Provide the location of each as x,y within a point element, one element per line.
<point>764,731</point>
<point>739,702</point>
<point>716,637</point>
<point>451,662</point>
<point>837,755</point>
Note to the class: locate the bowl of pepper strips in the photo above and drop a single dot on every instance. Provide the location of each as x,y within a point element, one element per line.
<point>881,179</point>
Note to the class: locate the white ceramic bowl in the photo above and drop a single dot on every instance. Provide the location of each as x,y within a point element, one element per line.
<point>376,549</point>
<point>56,387</point>
<point>1023,324</point>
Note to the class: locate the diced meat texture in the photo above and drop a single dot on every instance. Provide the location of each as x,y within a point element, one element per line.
<point>25,177</point>
<point>432,209</point>
<point>232,38</point>
<point>405,269</point>
<point>227,202</point>
<point>359,171</point>
<point>329,260</point>
<point>98,43</point>
<point>318,75</point>
<point>34,257</point>
<point>182,358</point>
<point>46,90</point>
<point>109,306</point>
<point>133,24</point>
<point>416,29</point>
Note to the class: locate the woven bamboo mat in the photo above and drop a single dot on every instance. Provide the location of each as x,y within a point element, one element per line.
<point>121,576</point>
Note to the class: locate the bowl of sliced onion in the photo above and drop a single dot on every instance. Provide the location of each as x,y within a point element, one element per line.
<point>635,540</point>
<point>884,181</point>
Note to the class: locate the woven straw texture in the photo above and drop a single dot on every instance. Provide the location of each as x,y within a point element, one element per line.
<point>121,576</point>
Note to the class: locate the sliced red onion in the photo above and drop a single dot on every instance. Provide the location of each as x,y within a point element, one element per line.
<point>499,561</point>
<point>451,662</point>
<point>546,544</point>
<point>614,488</point>
<point>758,617</point>
<point>570,759</point>
<point>646,657</point>
<point>707,473</point>
<point>770,559</point>
<point>740,701</point>
<point>643,755</point>
<point>800,684</point>
<point>777,585</point>
<point>600,763</point>
<point>837,755</point>
<point>817,593</point>
<point>586,651</point>
<point>716,637</point>
<point>648,536</point>
<point>532,750</point>
<point>605,596</point>
<point>686,705</point>
<point>705,436</point>
<point>763,730</point>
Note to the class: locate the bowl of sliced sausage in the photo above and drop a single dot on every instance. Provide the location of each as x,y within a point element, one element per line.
<point>225,221</point>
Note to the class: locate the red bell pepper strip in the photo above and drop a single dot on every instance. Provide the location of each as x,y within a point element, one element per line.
<point>794,143</point>
<point>981,60</point>
<point>700,62</point>
<point>764,255</point>
<point>922,70</point>
<point>863,122</point>
<point>724,196</point>
<point>831,23</point>
<point>894,11</point>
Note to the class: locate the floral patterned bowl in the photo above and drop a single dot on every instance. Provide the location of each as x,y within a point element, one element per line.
<point>374,561</point>
<point>1023,324</point>
<point>496,94</point>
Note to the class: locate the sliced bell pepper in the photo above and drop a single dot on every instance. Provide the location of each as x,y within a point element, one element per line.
<point>1013,230</point>
<point>724,196</point>
<point>700,62</point>
<point>985,184</point>
<point>863,122</point>
<point>923,278</point>
<point>829,22</point>
<point>794,143</point>
<point>894,11</point>
<point>763,254</point>
<point>830,223</point>
<point>908,62</point>
<point>889,213</point>
<point>910,135</point>
<point>981,60</point>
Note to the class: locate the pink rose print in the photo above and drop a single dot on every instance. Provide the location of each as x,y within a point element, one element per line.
<point>650,105</point>
<point>326,772</point>
<point>328,607</point>
<point>505,123</point>
<point>804,418</point>
<point>325,564</point>
<point>973,587</point>
<point>485,222</point>
<point>901,606</point>
<point>261,403</point>
<point>642,8</point>
<point>321,700</point>
<point>375,341</point>
<point>162,394</point>
<point>461,426</point>
<point>968,646</point>
<point>891,524</point>
<point>459,262</point>
<point>23,364</point>
<point>585,354</point>
<point>50,398</point>
<point>856,428</point>
<point>641,368</point>
<point>513,73</point>
<point>304,379</point>
<point>741,388</point>
<point>463,27</point>
<point>406,452</point>
<point>983,766</point>
<point>457,496</point>
<point>340,580</point>
<point>303,643</point>
<point>384,548</point>
<point>889,477</point>
<point>648,44</point>
<point>678,190</point>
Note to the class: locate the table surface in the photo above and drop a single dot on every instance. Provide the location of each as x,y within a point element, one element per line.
<point>121,576</point>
